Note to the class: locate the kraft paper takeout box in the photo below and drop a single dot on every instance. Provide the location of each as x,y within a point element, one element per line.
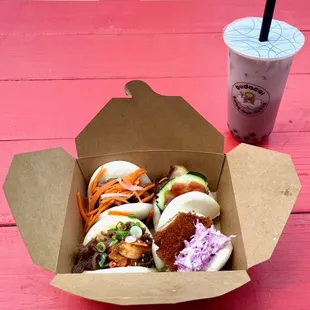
<point>256,189</point>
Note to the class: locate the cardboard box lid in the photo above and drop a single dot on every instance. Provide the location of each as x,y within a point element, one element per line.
<point>147,121</point>
<point>266,186</point>
<point>151,288</point>
<point>37,189</point>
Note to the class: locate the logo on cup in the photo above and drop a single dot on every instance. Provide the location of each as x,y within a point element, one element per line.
<point>249,99</point>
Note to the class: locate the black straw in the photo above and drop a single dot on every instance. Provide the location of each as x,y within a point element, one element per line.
<point>266,23</point>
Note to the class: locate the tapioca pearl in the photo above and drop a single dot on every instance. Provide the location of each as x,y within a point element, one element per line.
<point>235,130</point>
<point>252,134</point>
<point>246,138</point>
<point>255,140</point>
<point>238,137</point>
<point>264,137</point>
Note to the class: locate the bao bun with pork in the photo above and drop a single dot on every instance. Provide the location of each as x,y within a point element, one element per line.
<point>116,244</point>
<point>114,170</point>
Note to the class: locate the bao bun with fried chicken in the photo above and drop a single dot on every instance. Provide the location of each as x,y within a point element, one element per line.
<point>185,238</point>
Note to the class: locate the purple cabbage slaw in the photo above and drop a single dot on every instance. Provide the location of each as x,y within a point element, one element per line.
<point>201,248</point>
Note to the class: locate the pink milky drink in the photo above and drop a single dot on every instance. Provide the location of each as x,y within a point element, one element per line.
<point>257,75</point>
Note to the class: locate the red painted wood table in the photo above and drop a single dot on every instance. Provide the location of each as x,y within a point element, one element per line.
<point>60,62</point>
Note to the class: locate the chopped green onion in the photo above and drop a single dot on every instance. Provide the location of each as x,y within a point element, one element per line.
<point>113,243</point>
<point>134,224</point>
<point>102,261</point>
<point>112,230</point>
<point>132,216</point>
<point>121,234</point>
<point>121,226</point>
<point>101,247</point>
<point>136,231</point>
<point>114,237</point>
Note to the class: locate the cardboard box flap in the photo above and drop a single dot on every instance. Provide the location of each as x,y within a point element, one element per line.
<point>151,288</point>
<point>147,121</point>
<point>37,189</point>
<point>266,186</point>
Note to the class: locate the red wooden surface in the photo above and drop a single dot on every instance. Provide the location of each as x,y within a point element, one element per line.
<point>281,283</point>
<point>68,99</point>
<point>60,62</point>
<point>143,56</point>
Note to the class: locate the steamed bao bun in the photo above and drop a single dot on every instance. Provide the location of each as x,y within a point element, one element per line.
<point>118,169</point>
<point>199,202</point>
<point>156,215</point>
<point>130,269</point>
<point>109,222</point>
<point>203,205</point>
<point>140,209</point>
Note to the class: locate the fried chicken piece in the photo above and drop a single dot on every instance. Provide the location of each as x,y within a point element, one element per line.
<point>170,238</point>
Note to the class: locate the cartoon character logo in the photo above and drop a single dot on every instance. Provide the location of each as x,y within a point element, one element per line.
<point>249,99</point>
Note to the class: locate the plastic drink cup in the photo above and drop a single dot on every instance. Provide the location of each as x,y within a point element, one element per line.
<point>257,75</point>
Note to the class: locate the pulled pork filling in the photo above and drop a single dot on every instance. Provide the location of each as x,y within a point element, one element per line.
<point>113,249</point>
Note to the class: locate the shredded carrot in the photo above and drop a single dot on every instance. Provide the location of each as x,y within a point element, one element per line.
<point>120,199</point>
<point>80,205</point>
<point>111,187</point>
<point>115,189</point>
<point>103,201</point>
<point>96,216</point>
<point>99,192</point>
<point>149,217</point>
<point>137,196</point>
<point>86,204</point>
<point>146,189</point>
<point>112,212</point>
<point>86,224</point>
<point>131,178</point>
<point>148,198</point>
<point>96,179</point>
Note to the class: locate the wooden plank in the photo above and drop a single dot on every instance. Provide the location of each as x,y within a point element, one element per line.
<point>120,56</point>
<point>281,283</point>
<point>295,144</point>
<point>60,109</point>
<point>129,17</point>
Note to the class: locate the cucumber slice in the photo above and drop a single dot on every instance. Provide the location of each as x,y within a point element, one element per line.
<point>168,192</point>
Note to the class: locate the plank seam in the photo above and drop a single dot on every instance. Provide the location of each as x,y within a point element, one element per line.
<point>118,78</point>
<point>7,225</point>
<point>72,138</point>
<point>122,32</point>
